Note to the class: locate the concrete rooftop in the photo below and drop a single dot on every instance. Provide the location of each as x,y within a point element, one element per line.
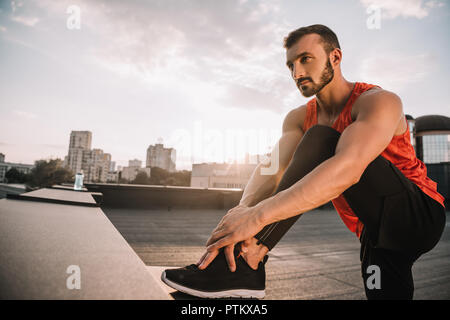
<point>317,259</point>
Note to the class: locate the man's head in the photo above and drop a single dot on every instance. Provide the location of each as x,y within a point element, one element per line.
<point>308,53</point>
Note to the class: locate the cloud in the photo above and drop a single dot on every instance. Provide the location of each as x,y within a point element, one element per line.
<point>250,98</point>
<point>434,4</point>
<point>18,14</point>
<point>395,71</point>
<point>15,5</point>
<point>24,114</point>
<point>230,44</point>
<point>28,21</point>
<point>404,8</point>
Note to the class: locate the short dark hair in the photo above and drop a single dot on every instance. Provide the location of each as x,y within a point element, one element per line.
<point>329,38</point>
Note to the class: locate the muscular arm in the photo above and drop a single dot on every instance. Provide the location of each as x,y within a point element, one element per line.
<point>378,118</point>
<point>379,115</point>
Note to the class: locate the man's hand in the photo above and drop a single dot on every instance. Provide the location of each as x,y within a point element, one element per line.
<point>240,224</point>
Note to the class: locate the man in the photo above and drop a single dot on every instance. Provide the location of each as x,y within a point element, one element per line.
<point>350,144</point>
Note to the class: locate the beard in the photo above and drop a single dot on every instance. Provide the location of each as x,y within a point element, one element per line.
<point>313,88</point>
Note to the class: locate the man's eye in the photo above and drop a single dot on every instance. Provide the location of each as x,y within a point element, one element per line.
<point>305,59</point>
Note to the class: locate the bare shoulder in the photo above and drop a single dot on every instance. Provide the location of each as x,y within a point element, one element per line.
<point>377,99</point>
<point>377,93</point>
<point>380,104</point>
<point>294,119</point>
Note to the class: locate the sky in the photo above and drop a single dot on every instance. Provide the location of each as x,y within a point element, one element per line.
<point>205,77</point>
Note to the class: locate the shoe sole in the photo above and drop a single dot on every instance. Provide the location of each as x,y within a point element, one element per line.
<point>236,293</point>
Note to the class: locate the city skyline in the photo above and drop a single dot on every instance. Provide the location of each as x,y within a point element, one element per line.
<point>139,71</point>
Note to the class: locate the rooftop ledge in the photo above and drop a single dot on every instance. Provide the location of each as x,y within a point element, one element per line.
<point>164,197</point>
<point>154,187</point>
<point>54,247</point>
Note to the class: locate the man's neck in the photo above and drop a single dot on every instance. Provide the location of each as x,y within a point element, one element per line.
<point>334,96</point>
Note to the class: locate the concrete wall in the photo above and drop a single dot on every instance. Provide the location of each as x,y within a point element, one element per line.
<point>153,197</point>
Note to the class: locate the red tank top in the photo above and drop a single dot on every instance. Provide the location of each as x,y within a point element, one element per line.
<point>399,151</point>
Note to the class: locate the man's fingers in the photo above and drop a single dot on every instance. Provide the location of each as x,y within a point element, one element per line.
<point>229,255</point>
<point>202,258</point>
<point>215,236</point>
<point>210,256</point>
<point>210,240</point>
<point>220,243</point>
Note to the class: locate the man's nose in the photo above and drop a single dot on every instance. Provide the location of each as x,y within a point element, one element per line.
<point>297,72</point>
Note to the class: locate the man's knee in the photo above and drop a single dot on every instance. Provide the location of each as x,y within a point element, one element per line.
<point>318,143</point>
<point>323,130</point>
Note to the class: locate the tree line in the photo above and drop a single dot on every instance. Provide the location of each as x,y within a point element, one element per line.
<point>159,176</point>
<point>47,173</point>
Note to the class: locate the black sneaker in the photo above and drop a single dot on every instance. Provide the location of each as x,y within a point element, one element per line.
<point>217,281</point>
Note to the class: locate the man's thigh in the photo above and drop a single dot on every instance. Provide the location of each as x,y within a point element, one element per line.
<point>397,215</point>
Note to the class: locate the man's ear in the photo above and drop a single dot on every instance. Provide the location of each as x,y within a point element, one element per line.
<point>335,57</point>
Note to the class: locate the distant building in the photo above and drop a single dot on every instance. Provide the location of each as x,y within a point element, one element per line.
<point>112,176</point>
<point>158,156</point>
<point>94,164</point>
<point>112,166</point>
<point>221,175</point>
<point>134,167</point>
<point>5,166</point>
<point>79,142</point>
<point>135,163</point>
<point>80,139</point>
<point>432,137</point>
<point>226,175</point>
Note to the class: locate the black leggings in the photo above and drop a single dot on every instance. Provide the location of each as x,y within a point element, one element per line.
<point>400,221</point>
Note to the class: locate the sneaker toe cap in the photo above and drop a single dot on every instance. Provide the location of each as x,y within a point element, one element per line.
<point>178,275</point>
